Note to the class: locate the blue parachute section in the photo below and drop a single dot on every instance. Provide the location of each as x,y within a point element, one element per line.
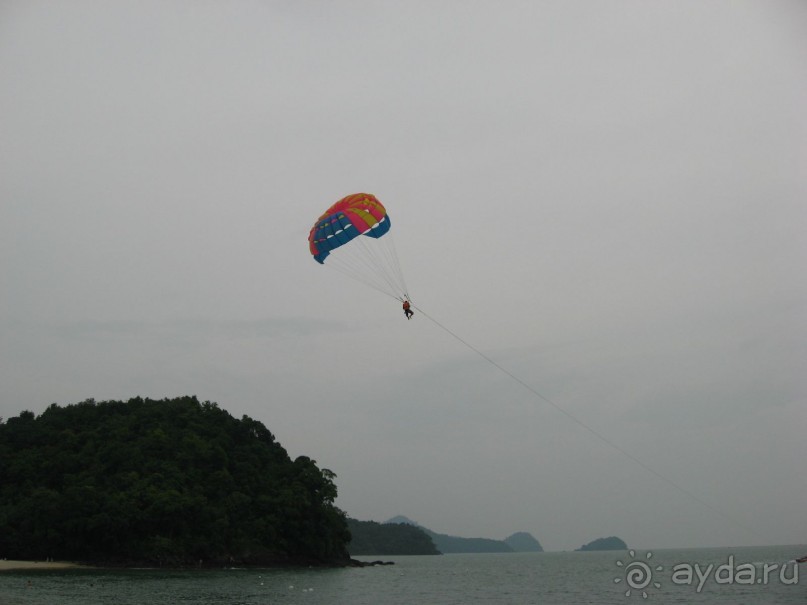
<point>337,229</point>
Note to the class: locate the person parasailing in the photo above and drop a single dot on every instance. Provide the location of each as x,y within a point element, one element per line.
<point>407,309</point>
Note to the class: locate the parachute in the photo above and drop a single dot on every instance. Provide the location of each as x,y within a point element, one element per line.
<point>353,237</point>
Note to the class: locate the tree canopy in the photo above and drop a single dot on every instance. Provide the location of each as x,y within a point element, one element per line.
<point>165,482</point>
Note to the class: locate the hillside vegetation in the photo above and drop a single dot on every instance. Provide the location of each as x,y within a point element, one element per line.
<point>169,482</point>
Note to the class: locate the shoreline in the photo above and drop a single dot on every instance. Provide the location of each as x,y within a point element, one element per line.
<point>17,565</point>
<point>6,565</point>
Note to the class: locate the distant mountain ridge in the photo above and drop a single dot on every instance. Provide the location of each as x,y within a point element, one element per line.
<point>517,542</point>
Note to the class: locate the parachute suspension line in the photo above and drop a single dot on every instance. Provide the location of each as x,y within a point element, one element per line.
<point>394,263</point>
<point>359,267</point>
<point>594,432</point>
<point>372,262</point>
<point>377,251</point>
<point>354,274</point>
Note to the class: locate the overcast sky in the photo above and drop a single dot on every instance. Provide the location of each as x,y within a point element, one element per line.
<point>609,200</point>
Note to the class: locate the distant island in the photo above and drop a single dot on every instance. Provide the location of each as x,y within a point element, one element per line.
<point>523,541</point>
<point>447,544</point>
<point>172,482</point>
<point>612,543</point>
<point>372,538</point>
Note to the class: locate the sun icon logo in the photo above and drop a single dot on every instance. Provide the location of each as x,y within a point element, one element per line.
<point>638,574</point>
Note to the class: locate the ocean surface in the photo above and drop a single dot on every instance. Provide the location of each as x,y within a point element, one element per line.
<point>736,576</point>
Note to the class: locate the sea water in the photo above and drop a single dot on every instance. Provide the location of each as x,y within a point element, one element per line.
<point>736,576</point>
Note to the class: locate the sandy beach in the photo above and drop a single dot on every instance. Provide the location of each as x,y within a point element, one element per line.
<point>11,565</point>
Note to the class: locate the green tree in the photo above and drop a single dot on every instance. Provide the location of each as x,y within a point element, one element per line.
<point>167,482</point>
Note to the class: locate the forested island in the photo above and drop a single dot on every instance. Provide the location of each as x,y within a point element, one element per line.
<point>372,538</point>
<point>402,536</point>
<point>611,543</point>
<point>172,482</point>
<point>447,544</point>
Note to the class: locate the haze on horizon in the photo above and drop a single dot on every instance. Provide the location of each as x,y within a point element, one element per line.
<point>608,200</point>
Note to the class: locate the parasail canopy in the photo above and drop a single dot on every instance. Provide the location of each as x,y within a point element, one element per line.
<point>352,236</point>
